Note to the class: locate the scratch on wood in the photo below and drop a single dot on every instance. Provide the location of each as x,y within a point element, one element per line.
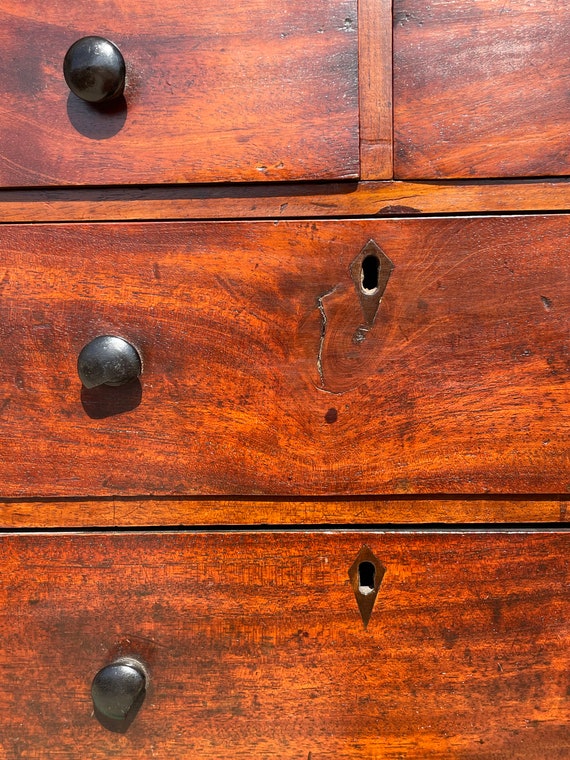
<point>320,304</point>
<point>5,281</point>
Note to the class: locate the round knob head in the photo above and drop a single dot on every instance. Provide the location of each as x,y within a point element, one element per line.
<point>117,689</point>
<point>94,70</point>
<point>108,360</point>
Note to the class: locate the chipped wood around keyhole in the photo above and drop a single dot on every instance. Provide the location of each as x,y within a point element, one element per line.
<point>365,593</point>
<point>370,297</point>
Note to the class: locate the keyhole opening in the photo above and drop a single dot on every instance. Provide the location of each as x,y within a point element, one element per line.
<point>366,577</point>
<point>370,270</point>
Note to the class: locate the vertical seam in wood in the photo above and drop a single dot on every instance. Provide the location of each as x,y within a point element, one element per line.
<point>391,93</point>
<point>375,89</point>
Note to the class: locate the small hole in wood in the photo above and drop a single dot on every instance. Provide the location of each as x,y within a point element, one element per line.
<point>366,577</point>
<point>369,272</point>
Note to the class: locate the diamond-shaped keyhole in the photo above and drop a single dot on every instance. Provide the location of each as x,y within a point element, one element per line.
<point>370,271</point>
<point>366,574</point>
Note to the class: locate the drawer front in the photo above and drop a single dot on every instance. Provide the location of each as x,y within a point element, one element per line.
<point>254,644</point>
<point>481,88</point>
<point>252,91</point>
<point>266,368</point>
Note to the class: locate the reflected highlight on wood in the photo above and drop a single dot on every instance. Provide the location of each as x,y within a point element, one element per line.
<point>481,89</point>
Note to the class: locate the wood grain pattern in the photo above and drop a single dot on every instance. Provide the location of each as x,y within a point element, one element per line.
<point>141,512</point>
<point>247,91</point>
<point>481,88</point>
<point>256,648</point>
<point>375,88</point>
<point>260,373</point>
<point>284,201</point>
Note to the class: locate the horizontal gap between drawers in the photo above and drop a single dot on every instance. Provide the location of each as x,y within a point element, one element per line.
<point>305,217</point>
<point>436,528</point>
<point>258,499</point>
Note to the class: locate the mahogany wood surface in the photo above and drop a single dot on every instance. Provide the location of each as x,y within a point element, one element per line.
<point>294,424</point>
<point>216,92</point>
<point>262,372</point>
<point>133,512</point>
<point>481,88</point>
<point>284,201</point>
<point>256,648</point>
<point>375,88</point>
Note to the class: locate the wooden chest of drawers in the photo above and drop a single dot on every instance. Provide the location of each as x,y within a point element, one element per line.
<point>284,451</point>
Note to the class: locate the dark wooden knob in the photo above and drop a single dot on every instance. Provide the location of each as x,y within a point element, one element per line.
<point>94,70</point>
<point>118,689</point>
<point>108,360</point>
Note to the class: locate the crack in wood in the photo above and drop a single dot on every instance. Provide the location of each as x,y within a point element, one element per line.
<point>324,321</point>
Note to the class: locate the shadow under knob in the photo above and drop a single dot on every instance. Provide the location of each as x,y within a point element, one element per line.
<point>118,690</point>
<point>94,70</point>
<point>108,360</point>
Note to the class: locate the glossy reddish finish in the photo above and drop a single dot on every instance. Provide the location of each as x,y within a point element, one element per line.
<point>215,92</point>
<point>261,374</point>
<point>256,648</point>
<point>268,398</point>
<point>481,88</point>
